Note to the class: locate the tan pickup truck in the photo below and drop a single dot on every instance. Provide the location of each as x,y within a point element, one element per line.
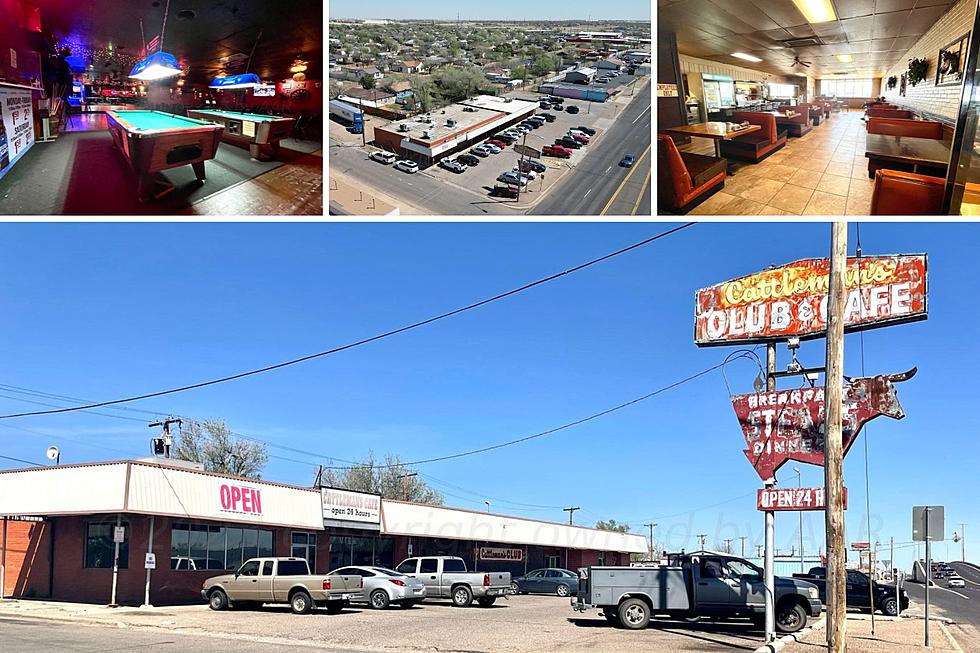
<point>280,580</point>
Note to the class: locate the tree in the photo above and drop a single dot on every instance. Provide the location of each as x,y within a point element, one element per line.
<point>611,525</point>
<point>367,81</point>
<point>384,478</point>
<point>213,444</point>
<point>544,64</point>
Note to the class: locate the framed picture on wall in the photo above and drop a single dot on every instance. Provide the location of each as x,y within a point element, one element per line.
<point>951,59</point>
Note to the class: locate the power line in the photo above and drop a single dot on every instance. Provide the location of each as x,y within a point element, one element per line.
<point>556,429</point>
<point>19,460</point>
<point>364,341</point>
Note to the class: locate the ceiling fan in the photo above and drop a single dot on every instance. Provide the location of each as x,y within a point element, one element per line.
<point>797,62</point>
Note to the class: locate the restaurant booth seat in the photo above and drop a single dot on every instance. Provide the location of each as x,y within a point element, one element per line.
<point>685,179</point>
<point>905,193</point>
<point>902,127</point>
<point>903,114</point>
<point>758,145</point>
<point>799,124</point>
<point>816,113</point>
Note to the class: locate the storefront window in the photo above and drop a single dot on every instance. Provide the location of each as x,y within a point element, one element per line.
<point>553,561</point>
<point>339,551</point>
<point>384,552</point>
<point>201,546</point>
<point>362,552</point>
<point>100,549</point>
<point>304,546</point>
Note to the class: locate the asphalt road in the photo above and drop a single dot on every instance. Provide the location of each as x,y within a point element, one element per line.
<point>959,604</point>
<point>599,177</point>
<point>53,636</point>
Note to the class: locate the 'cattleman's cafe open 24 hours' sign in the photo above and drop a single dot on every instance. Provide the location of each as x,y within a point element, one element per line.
<point>791,300</point>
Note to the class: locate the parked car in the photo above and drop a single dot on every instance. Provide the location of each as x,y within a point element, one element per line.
<point>571,108</point>
<point>579,138</point>
<point>386,158</point>
<point>556,150</point>
<point>545,105</point>
<point>481,150</point>
<point>504,191</point>
<point>452,165</point>
<point>382,587</point>
<point>407,166</point>
<point>512,178</point>
<point>570,143</point>
<point>468,159</point>
<point>955,581</point>
<point>628,161</point>
<point>280,580</point>
<point>446,576</point>
<point>550,117</point>
<point>588,131</point>
<point>531,164</point>
<point>702,584</point>
<point>561,582</point>
<point>858,592</point>
<point>495,147</point>
<point>506,138</point>
<point>529,175</point>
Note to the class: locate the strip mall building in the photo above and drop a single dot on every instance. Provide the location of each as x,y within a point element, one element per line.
<point>178,526</point>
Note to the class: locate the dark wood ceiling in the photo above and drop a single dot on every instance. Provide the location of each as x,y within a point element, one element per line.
<point>208,35</point>
<point>877,33</point>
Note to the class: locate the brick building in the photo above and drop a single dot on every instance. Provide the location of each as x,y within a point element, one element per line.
<point>59,526</point>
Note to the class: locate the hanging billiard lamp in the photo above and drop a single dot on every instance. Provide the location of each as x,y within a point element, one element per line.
<point>159,65</point>
<point>238,82</point>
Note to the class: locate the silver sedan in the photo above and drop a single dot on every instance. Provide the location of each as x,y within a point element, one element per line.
<point>382,587</point>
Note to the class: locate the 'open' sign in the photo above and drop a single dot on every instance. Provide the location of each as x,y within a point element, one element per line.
<point>237,498</point>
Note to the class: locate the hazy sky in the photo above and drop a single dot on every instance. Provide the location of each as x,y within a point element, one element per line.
<point>99,311</point>
<point>499,10</point>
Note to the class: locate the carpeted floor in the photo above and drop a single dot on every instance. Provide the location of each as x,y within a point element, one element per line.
<point>82,173</point>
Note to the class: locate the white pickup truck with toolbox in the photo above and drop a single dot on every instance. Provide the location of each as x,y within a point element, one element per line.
<point>446,577</point>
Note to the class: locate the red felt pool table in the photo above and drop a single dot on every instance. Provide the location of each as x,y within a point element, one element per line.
<point>152,141</point>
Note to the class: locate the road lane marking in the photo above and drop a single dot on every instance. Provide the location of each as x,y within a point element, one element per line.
<point>609,168</point>
<point>587,193</point>
<point>625,179</point>
<point>643,189</point>
<point>946,589</point>
<point>641,114</point>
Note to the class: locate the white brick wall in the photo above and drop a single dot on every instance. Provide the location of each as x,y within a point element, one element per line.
<point>926,97</point>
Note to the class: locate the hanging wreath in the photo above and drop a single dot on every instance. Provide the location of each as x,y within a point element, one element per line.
<point>892,82</point>
<point>917,70</point>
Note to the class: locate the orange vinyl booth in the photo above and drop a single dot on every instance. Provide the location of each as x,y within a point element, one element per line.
<point>905,193</point>
<point>685,179</point>
<point>758,145</point>
<point>799,124</point>
<point>902,127</point>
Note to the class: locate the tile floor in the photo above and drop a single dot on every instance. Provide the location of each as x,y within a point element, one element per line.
<point>823,173</point>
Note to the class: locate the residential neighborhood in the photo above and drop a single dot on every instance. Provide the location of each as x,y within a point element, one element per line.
<point>572,106</point>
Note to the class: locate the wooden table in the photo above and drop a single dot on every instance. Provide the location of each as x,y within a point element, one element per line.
<point>930,152</point>
<point>713,130</point>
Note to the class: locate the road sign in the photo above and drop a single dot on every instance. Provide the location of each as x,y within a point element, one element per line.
<point>527,150</point>
<point>937,526</point>
<point>860,546</point>
<point>119,534</point>
<point>792,498</point>
<point>788,425</point>
<point>791,300</point>
<point>151,561</point>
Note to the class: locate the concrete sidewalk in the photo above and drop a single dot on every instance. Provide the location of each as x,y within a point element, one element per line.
<point>891,636</point>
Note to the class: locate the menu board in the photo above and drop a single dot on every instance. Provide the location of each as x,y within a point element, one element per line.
<point>16,125</point>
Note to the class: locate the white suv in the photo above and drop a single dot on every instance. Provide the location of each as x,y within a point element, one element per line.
<point>407,166</point>
<point>386,158</point>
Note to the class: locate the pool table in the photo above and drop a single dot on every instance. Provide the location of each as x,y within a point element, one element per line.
<point>152,141</point>
<point>261,133</point>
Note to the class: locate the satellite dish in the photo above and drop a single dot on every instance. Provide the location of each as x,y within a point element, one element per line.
<point>53,453</point>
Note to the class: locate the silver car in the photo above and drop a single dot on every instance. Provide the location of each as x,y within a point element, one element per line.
<point>382,587</point>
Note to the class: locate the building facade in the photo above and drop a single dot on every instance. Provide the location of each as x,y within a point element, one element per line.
<point>177,526</point>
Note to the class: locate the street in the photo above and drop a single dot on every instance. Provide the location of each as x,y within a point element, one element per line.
<point>597,179</point>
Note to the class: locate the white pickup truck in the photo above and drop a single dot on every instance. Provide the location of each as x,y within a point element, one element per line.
<point>446,577</point>
<point>280,580</point>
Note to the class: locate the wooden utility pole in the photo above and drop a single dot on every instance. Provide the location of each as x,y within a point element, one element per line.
<point>833,445</point>
<point>404,478</point>
<point>769,563</point>
<point>651,527</point>
<point>570,511</point>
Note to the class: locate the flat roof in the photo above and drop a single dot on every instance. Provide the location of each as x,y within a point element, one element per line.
<point>466,115</point>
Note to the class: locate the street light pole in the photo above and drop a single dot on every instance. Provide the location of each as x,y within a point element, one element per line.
<point>799,482</point>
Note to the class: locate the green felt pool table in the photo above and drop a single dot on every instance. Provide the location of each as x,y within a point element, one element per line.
<point>261,133</point>
<point>152,141</point>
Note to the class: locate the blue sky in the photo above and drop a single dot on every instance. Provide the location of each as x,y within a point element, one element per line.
<point>99,311</point>
<point>500,10</point>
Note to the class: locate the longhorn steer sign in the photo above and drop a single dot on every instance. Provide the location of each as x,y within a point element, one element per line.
<point>789,424</point>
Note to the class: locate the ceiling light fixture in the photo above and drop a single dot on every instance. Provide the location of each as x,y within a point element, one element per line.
<point>816,11</point>
<point>248,80</point>
<point>158,65</point>
<point>746,57</point>
<point>845,58</point>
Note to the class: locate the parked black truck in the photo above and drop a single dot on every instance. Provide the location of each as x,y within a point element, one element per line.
<point>859,591</point>
<point>703,584</point>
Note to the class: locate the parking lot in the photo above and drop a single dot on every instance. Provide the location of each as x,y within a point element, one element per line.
<point>482,178</point>
<point>522,623</point>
